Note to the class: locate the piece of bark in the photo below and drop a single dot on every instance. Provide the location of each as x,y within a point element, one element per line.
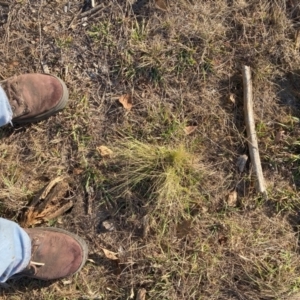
<point>251,133</point>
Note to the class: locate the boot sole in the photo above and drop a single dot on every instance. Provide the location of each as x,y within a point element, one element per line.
<point>60,106</point>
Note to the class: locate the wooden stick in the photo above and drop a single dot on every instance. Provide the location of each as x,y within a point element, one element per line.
<point>92,11</point>
<point>251,133</point>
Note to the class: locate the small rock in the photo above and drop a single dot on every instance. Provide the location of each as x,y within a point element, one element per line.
<point>108,225</point>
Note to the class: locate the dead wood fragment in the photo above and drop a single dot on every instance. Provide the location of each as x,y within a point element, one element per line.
<point>251,133</point>
<point>49,204</point>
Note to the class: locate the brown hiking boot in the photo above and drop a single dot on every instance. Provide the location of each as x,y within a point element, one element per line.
<point>35,97</point>
<point>55,254</point>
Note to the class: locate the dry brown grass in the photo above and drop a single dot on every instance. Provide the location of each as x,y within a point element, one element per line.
<point>181,66</point>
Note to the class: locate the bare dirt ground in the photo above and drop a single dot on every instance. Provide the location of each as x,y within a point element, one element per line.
<point>175,233</point>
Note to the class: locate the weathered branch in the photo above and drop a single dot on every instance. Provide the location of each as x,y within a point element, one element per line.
<point>251,133</point>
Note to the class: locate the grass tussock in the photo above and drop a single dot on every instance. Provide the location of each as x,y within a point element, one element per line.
<point>169,177</point>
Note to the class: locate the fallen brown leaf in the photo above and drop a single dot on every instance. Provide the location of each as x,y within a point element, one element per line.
<point>222,239</point>
<point>232,98</point>
<point>126,101</point>
<point>190,129</point>
<point>161,4</point>
<point>110,255</point>
<point>184,228</point>
<point>141,294</point>
<point>77,171</point>
<point>13,64</point>
<point>105,151</point>
<point>232,198</point>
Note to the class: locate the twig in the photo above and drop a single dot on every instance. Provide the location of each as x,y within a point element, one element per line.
<point>94,11</point>
<point>60,211</point>
<point>91,11</point>
<point>251,133</point>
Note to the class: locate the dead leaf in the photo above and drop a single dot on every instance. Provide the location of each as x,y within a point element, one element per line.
<point>77,171</point>
<point>222,239</point>
<point>161,4</point>
<point>105,151</point>
<point>232,199</point>
<point>126,101</point>
<point>110,255</point>
<point>204,209</point>
<point>13,64</point>
<point>184,228</point>
<point>141,294</point>
<point>232,98</point>
<point>279,136</point>
<point>190,129</point>
<point>241,162</point>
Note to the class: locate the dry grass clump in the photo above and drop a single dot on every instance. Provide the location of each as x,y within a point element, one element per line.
<point>168,178</point>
